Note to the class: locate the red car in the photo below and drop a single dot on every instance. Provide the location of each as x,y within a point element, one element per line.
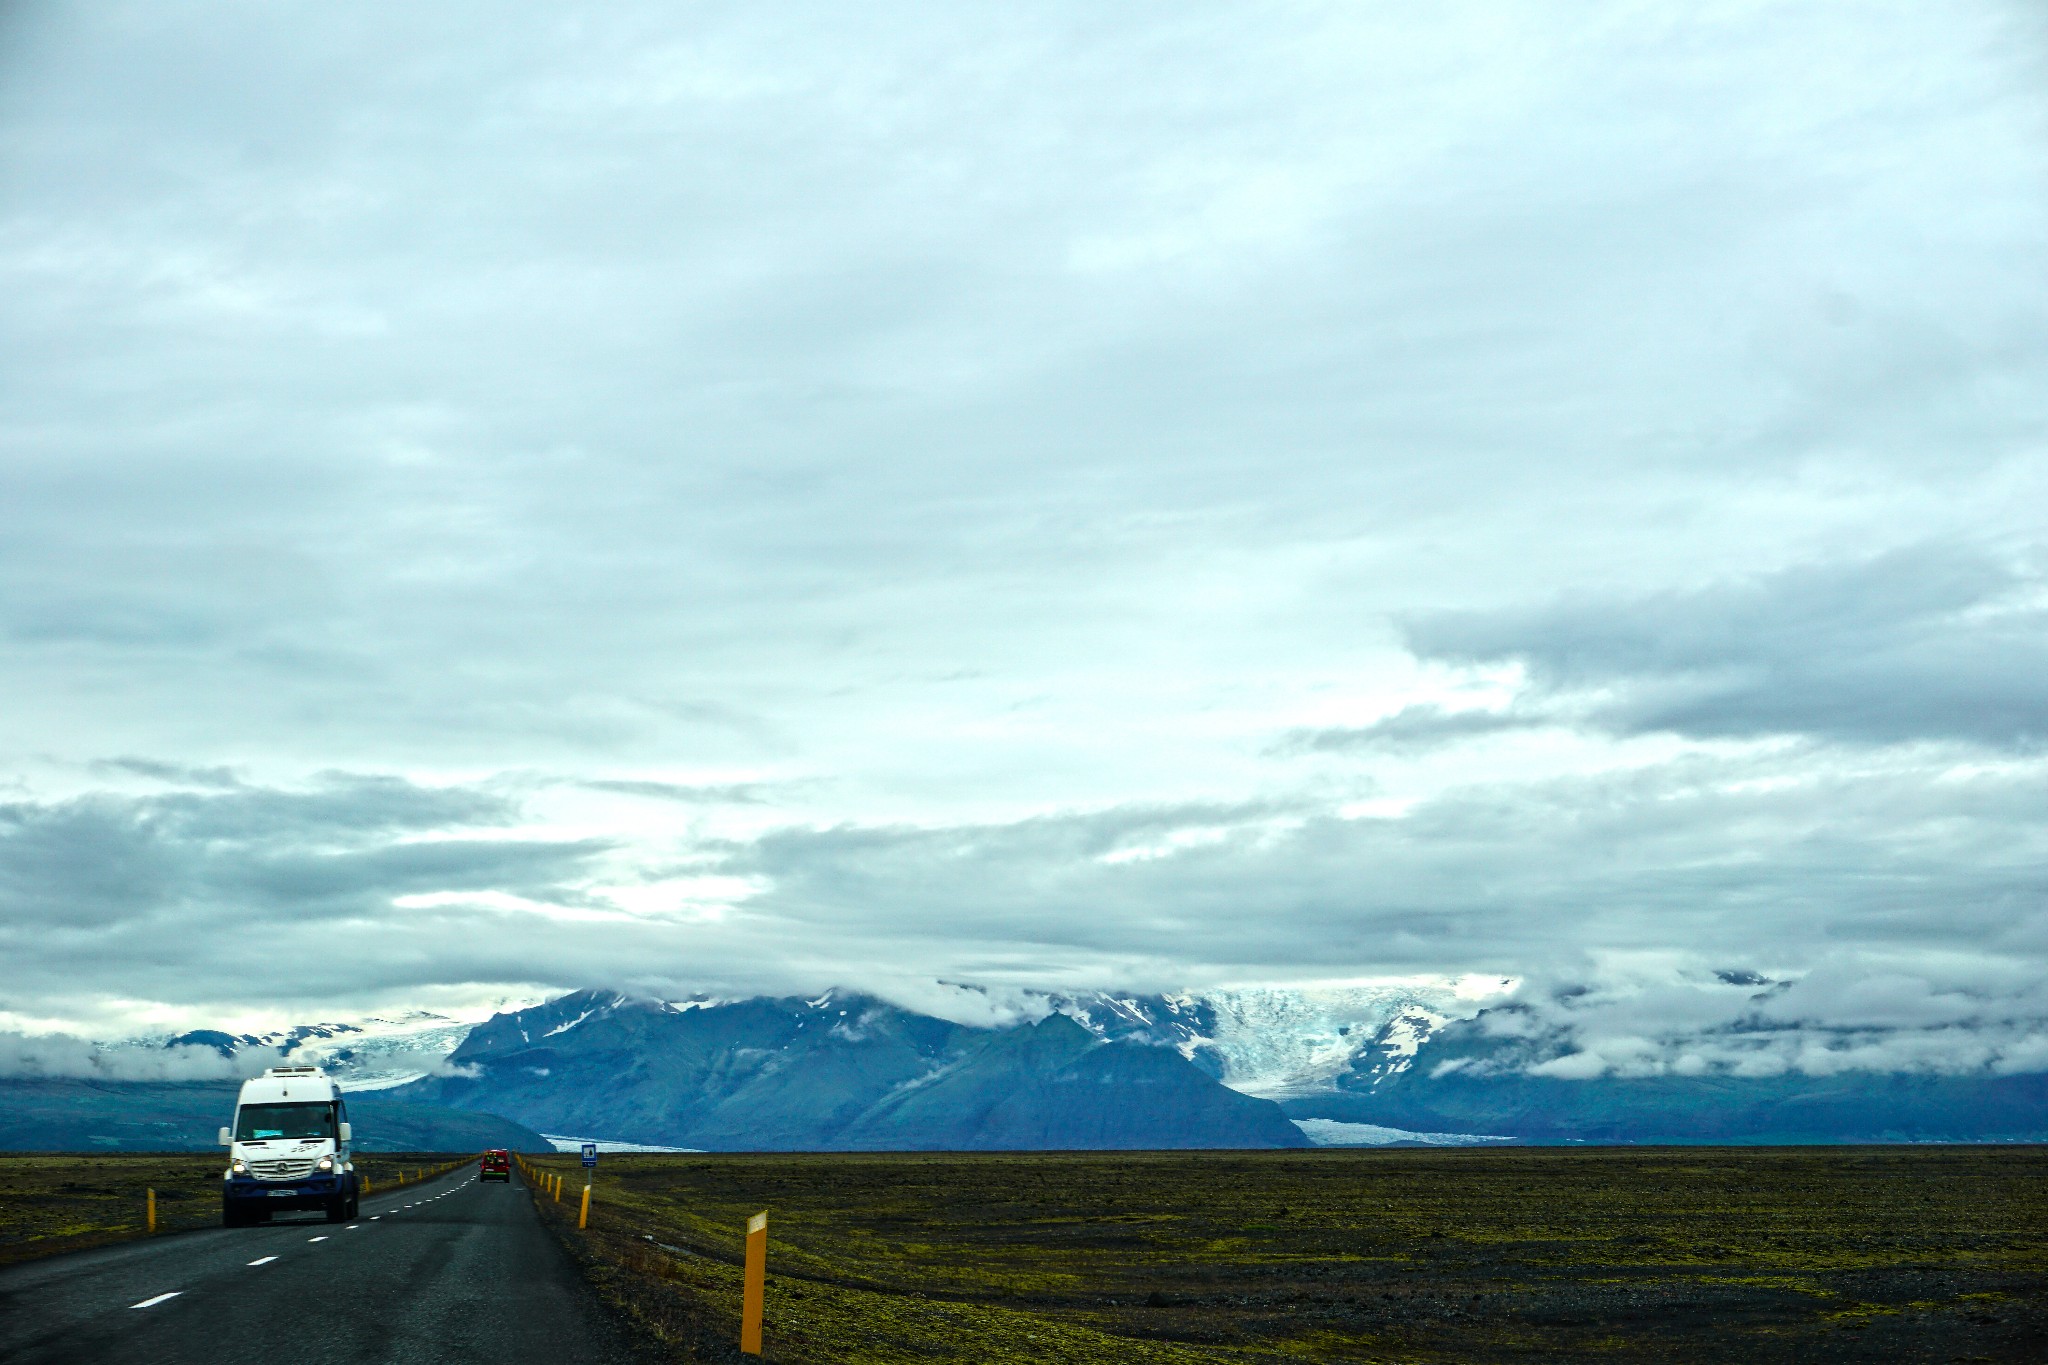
<point>496,1165</point>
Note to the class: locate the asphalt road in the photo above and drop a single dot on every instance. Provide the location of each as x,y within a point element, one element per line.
<point>444,1271</point>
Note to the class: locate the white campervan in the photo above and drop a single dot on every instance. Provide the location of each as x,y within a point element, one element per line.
<point>288,1148</point>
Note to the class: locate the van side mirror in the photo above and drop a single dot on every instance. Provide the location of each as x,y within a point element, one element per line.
<point>345,1130</point>
<point>227,1138</point>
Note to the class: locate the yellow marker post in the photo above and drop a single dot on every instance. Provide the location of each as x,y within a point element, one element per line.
<point>152,1210</point>
<point>757,1284</point>
<point>558,1189</point>
<point>583,1218</point>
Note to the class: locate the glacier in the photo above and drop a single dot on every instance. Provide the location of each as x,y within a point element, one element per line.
<point>1282,1042</point>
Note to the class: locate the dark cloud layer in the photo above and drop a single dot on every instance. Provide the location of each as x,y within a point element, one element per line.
<point>1717,856</point>
<point>1930,643</point>
<point>256,892</point>
<point>1411,729</point>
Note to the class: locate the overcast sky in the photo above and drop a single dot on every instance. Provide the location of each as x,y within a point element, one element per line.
<point>754,496</point>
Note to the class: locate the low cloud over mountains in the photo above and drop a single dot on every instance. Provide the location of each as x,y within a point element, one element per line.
<point>1863,880</point>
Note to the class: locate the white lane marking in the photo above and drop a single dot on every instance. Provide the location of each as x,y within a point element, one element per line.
<point>264,1261</point>
<point>351,1227</point>
<point>316,1239</point>
<point>147,1303</point>
<point>375,1216</point>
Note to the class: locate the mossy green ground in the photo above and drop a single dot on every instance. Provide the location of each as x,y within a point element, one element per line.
<point>1476,1255</point>
<point>57,1202</point>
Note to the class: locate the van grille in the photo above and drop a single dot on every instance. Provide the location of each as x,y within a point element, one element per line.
<point>286,1169</point>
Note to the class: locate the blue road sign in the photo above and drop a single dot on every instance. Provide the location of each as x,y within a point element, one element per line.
<point>590,1154</point>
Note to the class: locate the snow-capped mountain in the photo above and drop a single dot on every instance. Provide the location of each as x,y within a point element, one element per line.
<point>1268,1042</point>
<point>373,1053</point>
<point>1348,1065</point>
<point>1393,1049</point>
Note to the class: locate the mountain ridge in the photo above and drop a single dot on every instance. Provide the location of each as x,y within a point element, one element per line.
<point>840,1071</point>
<point>1348,1065</point>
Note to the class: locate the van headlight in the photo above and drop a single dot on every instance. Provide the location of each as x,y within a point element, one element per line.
<point>326,1163</point>
<point>238,1167</point>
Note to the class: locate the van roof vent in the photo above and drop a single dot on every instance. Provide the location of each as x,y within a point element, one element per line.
<point>293,1071</point>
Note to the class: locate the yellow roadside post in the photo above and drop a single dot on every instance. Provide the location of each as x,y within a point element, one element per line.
<point>757,1284</point>
<point>583,1218</point>
<point>152,1210</point>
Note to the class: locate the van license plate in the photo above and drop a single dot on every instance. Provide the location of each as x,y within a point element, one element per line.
<point>283,1194</point>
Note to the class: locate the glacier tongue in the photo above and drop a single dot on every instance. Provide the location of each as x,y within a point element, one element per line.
<point>1331,1133</point>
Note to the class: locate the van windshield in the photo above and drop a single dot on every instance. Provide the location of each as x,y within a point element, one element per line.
<point>255,1122</point>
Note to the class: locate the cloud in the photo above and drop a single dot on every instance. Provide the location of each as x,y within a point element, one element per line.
<point>1853,1011</point>
<point>748,793</point>
<point>255,854</point>
<point>1720,855</point>
<point>1935,642</point>
<point>57,1055</point>
<point>1412,728</point>
<point>178,774</point>
<point>261,892</point>
<point>429,433</point>
<point>975,1006</point>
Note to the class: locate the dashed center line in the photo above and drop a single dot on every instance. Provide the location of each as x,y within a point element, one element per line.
<point>148,1303</point>
<point>317,1239</point>
<point>265,1260</point>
